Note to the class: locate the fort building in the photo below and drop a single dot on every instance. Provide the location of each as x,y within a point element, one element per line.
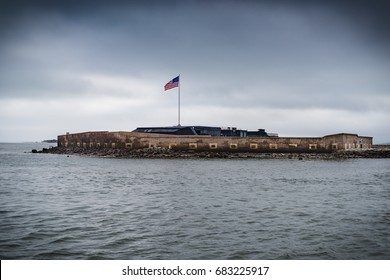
<point>203,138</point>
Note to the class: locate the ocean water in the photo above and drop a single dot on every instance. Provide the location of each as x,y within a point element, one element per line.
<point>78,207</point>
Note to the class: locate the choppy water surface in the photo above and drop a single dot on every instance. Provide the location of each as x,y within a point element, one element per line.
<point>59,207</point>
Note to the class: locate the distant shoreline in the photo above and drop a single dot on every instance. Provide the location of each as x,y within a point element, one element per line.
<point>50,141</point>
<point>376,152</point>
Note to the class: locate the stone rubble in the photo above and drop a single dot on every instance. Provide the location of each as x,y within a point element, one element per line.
<point>158,152</point>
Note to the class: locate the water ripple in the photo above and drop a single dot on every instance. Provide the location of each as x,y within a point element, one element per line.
<point>55,207</point>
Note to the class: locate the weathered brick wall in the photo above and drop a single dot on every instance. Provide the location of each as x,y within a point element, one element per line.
<point>345,141</point>
<point>135,140</point>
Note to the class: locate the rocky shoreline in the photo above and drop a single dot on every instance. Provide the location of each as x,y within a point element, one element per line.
<point>376,152</point>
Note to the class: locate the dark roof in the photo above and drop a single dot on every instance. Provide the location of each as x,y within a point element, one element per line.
<point>181,130</point>
<point>202,130</point>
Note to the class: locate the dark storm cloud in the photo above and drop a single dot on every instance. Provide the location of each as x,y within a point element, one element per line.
<point>369,16</point>
<point>252,56</point>
<point>247,39</point>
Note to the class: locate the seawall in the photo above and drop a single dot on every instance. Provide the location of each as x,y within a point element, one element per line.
<point>169,153</point>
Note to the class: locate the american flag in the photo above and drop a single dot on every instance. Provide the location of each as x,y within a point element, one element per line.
<point>172,83</point>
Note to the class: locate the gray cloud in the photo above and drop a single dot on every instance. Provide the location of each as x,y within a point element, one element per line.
<point>235,56</point>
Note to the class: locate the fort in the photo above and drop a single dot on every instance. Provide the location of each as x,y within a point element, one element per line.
<point>201,139</point>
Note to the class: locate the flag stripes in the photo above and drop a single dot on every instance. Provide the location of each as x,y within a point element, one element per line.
<point>172,83</point>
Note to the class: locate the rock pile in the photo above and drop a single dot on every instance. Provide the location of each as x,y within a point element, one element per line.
<point>159,152</point>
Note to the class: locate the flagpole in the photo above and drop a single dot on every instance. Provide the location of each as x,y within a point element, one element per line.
<point>179,103</point>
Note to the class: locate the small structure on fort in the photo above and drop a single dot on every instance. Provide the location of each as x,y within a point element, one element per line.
<point>205,130</point>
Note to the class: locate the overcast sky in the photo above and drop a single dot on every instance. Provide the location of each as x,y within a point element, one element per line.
<point>297,68</point>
